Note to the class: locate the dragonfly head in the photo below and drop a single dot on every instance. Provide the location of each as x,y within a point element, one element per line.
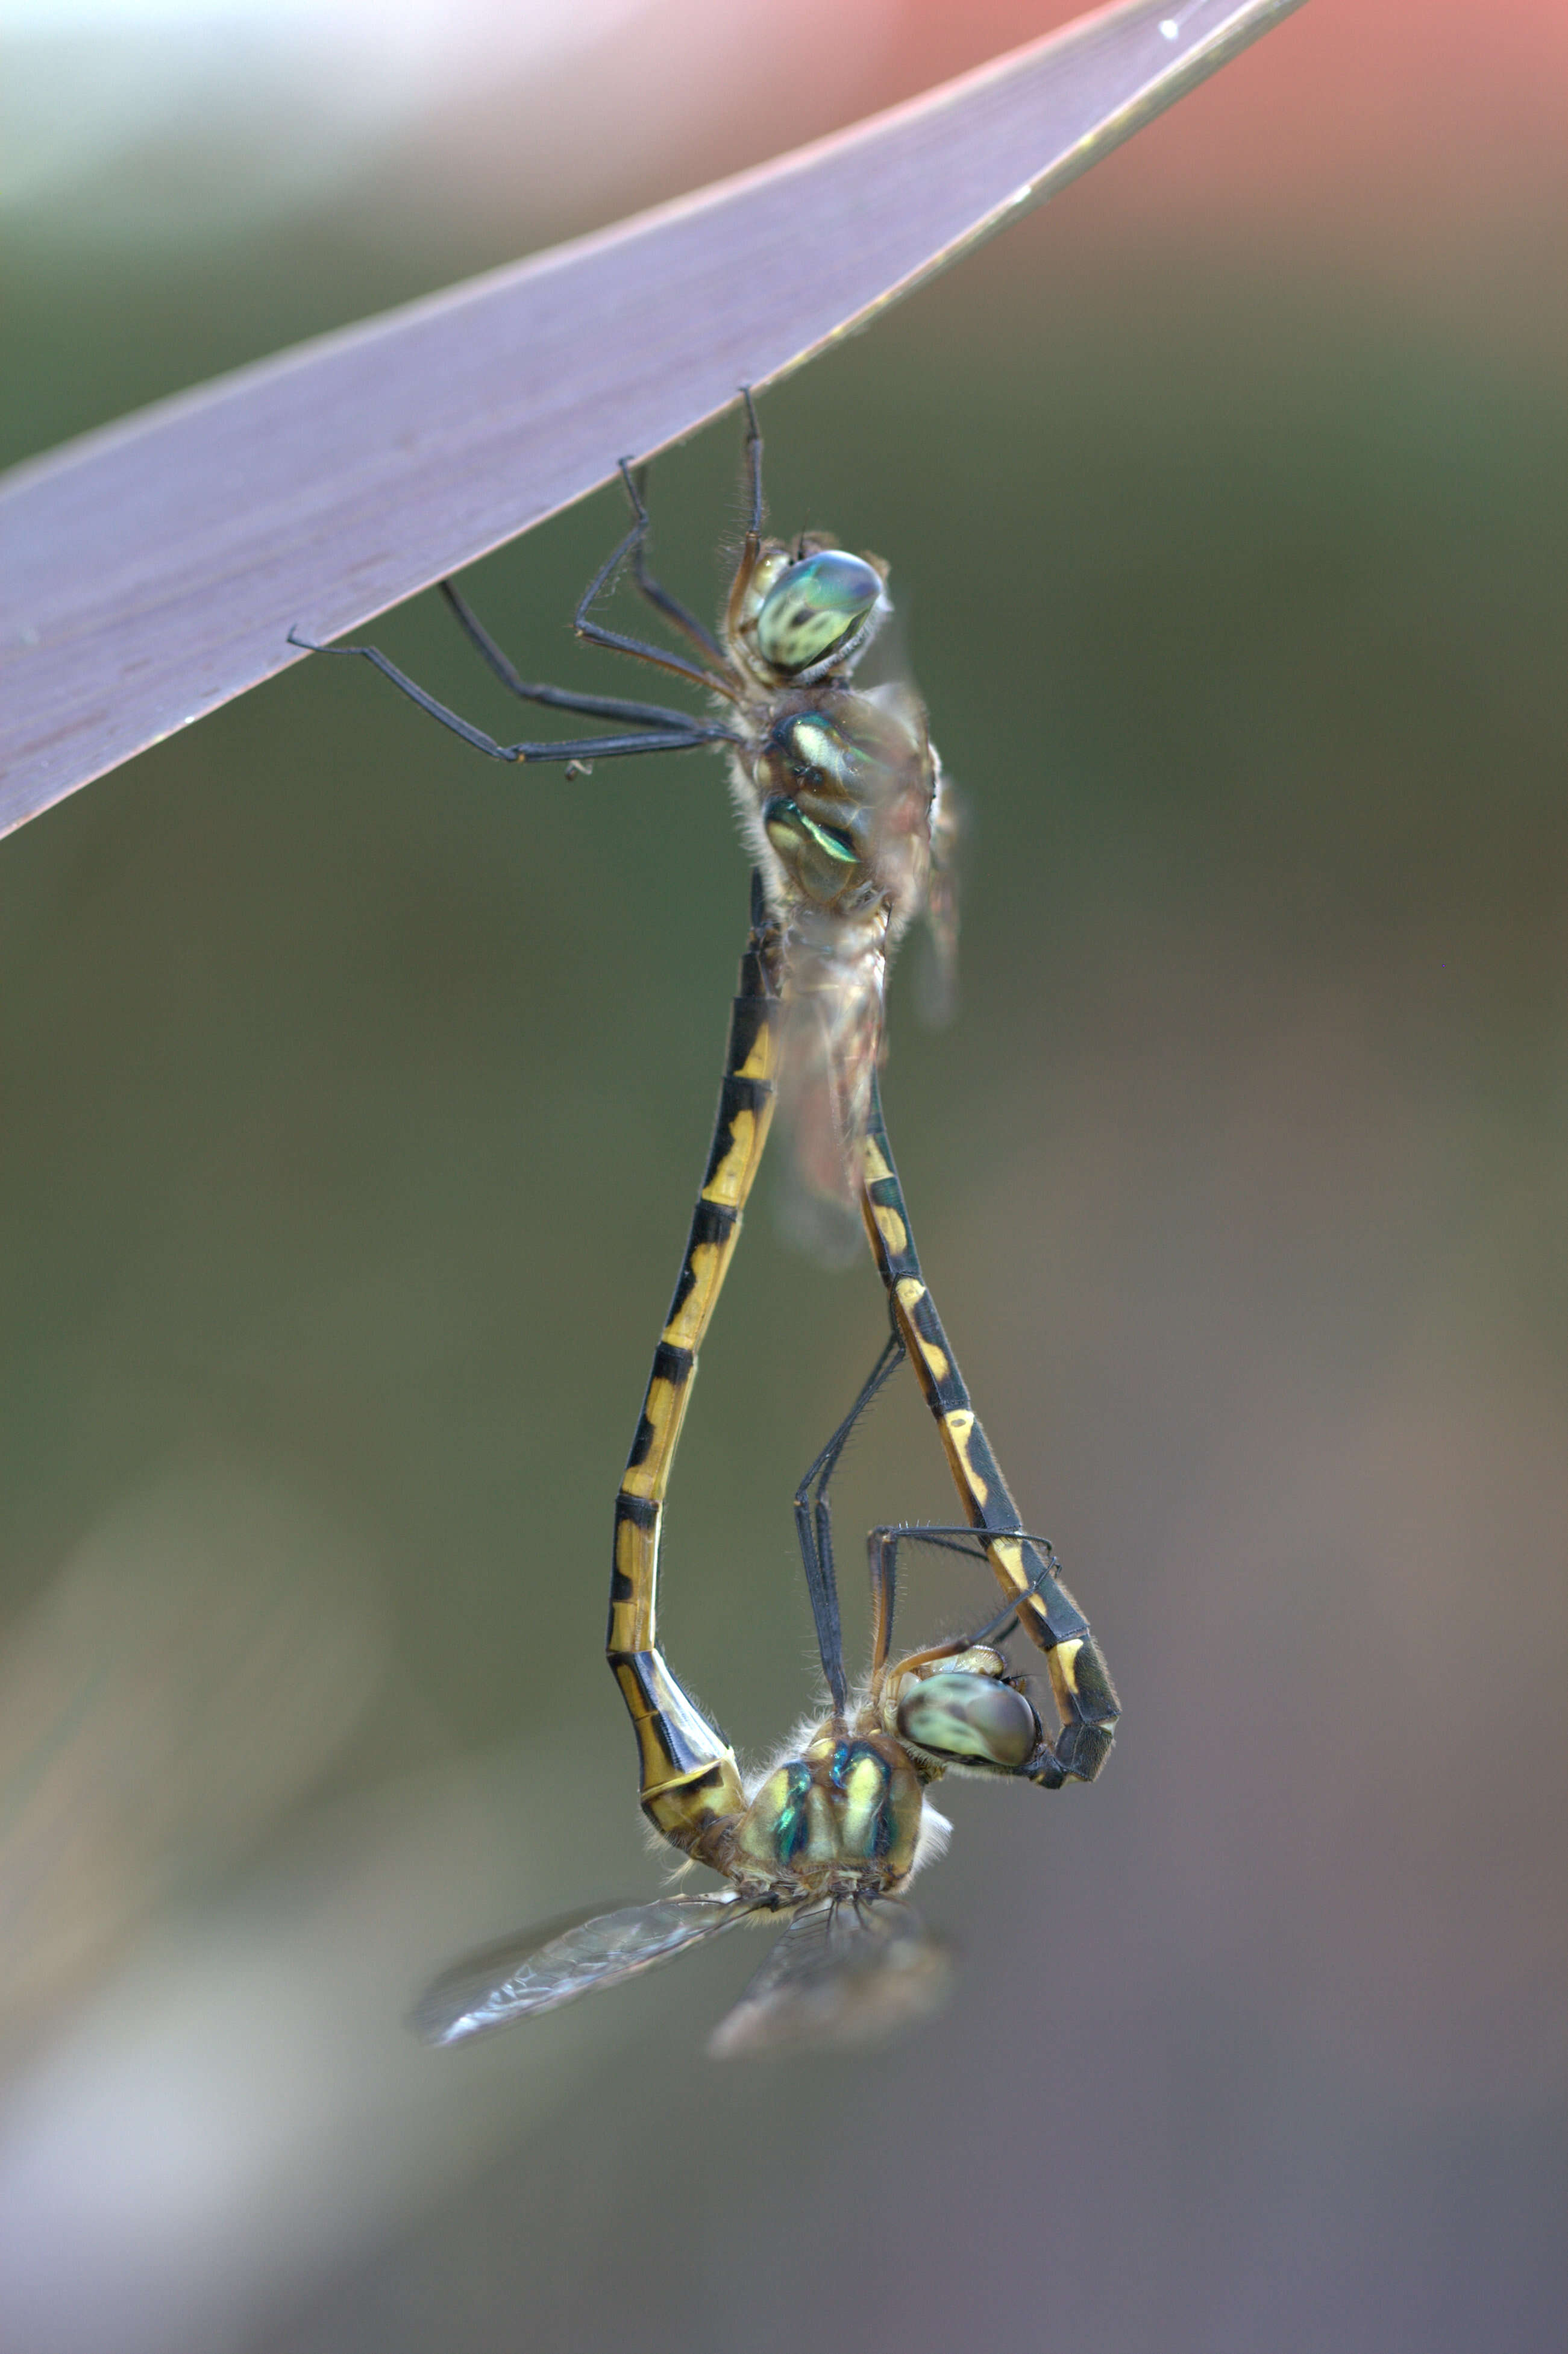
<point>964,1711</point>
<point>815,613</point>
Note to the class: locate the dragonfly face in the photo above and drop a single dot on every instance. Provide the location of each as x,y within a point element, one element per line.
<point>966,1712</point>
<point>844,1818</point>
<point>805,615</point>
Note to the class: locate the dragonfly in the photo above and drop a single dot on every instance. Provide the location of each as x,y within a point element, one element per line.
<point>830,1835</point>
<point>838,788</point>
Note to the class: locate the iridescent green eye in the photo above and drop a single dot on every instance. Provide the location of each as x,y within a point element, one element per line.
<point>822,603</point>
<point>970,1718</point>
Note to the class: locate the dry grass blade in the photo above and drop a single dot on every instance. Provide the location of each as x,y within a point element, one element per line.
<point>153,569</point>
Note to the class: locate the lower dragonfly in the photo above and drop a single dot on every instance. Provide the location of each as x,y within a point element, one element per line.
<point>833,1833</point>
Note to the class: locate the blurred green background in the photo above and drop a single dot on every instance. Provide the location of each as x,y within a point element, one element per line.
<point>355,1095</point>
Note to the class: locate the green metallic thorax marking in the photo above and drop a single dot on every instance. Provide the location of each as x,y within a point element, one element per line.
<point>844,1817</point>
<point>787,817</point>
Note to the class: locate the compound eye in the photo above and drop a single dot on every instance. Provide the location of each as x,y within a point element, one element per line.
<point>817,605</point>
<point>972,1718</point>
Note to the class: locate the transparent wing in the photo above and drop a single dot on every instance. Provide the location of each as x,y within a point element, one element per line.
<point>555,1963</point>
<point>829,1044</point>
<point>844,1972</point>
<point>936,976</point>
<point>920,823</point>
<point>888,803</point>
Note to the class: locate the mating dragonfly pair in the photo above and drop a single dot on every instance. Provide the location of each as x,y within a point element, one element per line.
<point>840,796</point>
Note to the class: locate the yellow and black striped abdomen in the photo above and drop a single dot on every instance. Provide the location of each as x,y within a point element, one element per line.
<point>1080,1681</point>
<point>689,1775</point>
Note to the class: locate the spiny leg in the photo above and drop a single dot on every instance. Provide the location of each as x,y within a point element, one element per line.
<point>882,1556</point>
<point>558,698</point>
<point>715,681</point>
<point>690,1781</point>
<point>813,1526</point>
<point>753,463</point>
<point>663,600</point>
<point>677,730</point>
<point>751,547</point>
<point>581,747</point>
<point>668,730</point>
<point>1080,1681</point>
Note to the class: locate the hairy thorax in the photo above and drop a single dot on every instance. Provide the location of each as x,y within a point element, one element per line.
<point>843,1819</point>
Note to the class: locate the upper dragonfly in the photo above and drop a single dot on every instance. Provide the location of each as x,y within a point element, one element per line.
<point>838,788</point>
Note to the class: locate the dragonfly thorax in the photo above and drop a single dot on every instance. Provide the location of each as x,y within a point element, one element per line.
<point>842,1819</point>
<point>837,789</point>
<point>820,845</point>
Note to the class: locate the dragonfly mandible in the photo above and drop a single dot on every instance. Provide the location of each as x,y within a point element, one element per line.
<point>838,788</point>
<point>831,1834</point>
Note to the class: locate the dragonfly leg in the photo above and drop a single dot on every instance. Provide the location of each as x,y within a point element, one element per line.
<point>663,600</point>
<point>558,698</point>
<point>1086,1699</point>
<point>753,463</point>
<point>813,1526</point>
<point>615,640</point>
<point>972,1545</point>
<point>581,747</point>
<point>752,546</point>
